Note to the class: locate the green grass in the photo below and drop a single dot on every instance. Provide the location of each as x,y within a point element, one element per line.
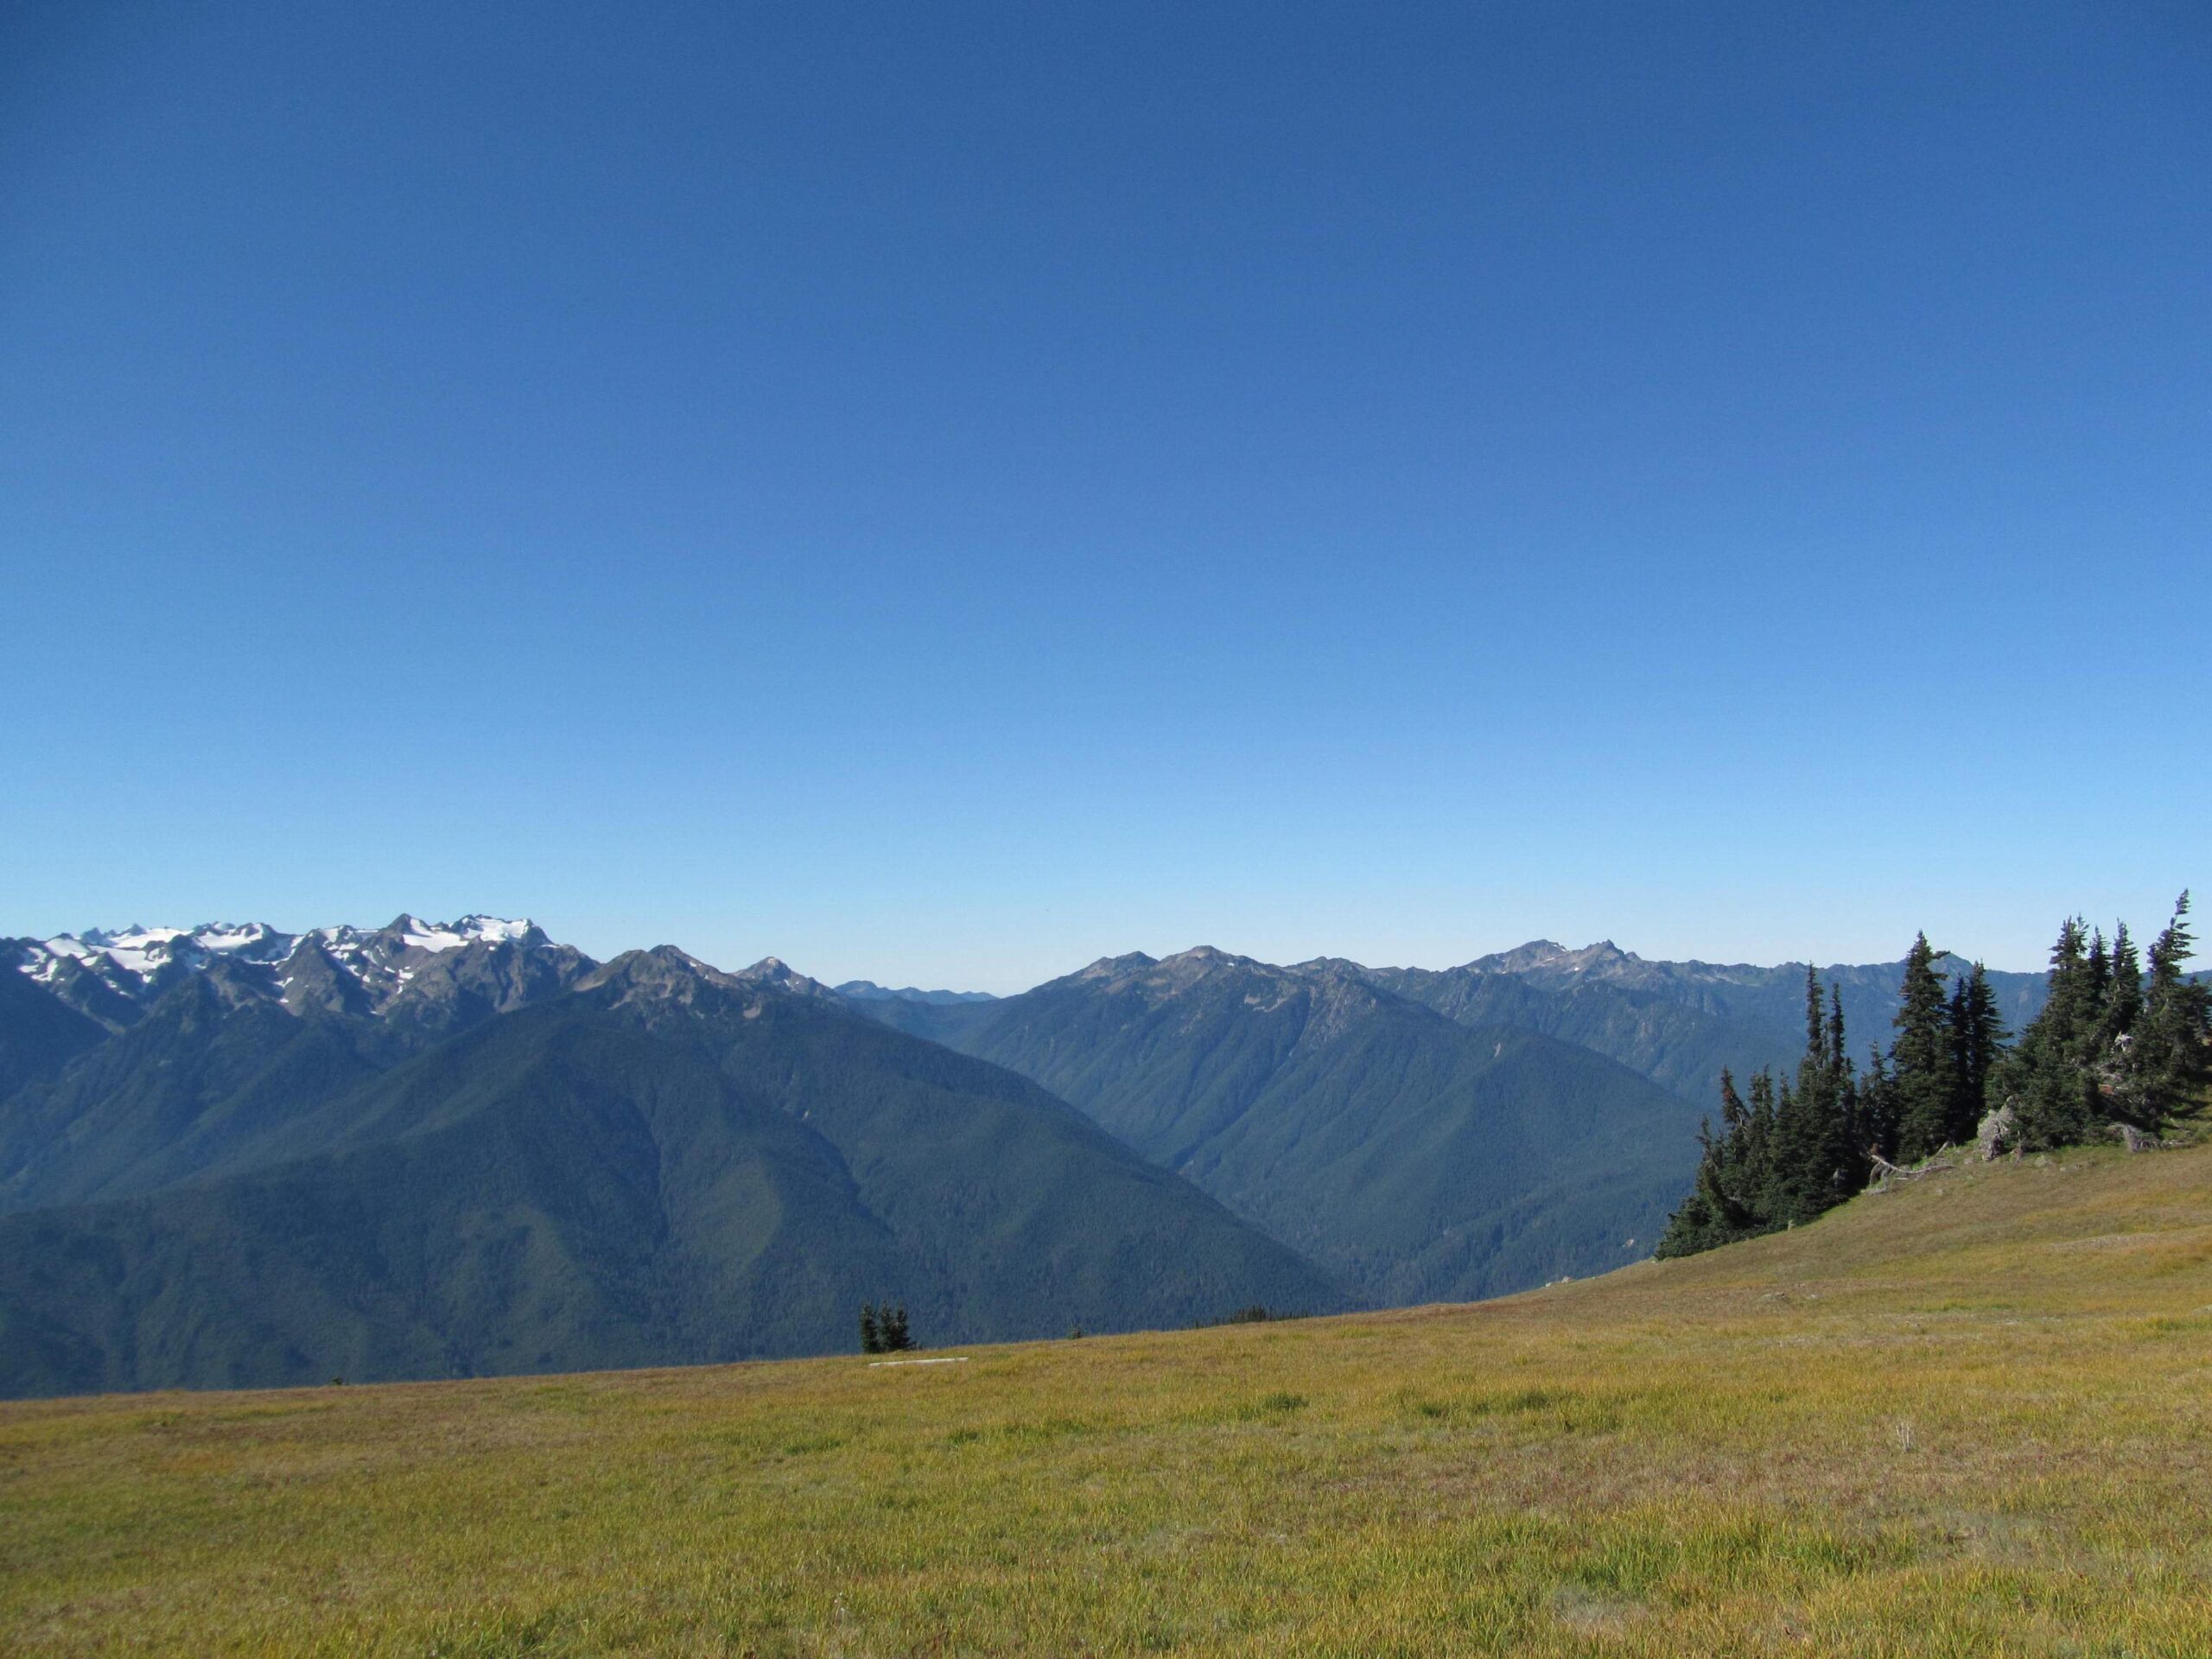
<point>1974,1417</point>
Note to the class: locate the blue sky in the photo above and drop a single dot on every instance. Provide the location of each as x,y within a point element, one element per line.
<point>946,493</point>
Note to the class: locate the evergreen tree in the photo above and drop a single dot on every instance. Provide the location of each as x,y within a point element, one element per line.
<point>1820,1155</point>
<point>1727,1197</point>
<point>1798,1171</point>
<point>1795,1151</point>
<point>2096,977</point>
<point>1923,1080</point>
<point>2108,1040</point>
<point>2123,1003</point>
<point>1700,1221</point>
<point>2069,1010</point>
<point>1723,1200</point>
<point>1816,1028</point>
<point>2048,1080</point>
<point>1798,1175</point>
<point>891,1321</point>
<point>2169,1058</point>
<point>1978,1039</point>
<point>871,1331</point>
<point>1878,1105</point>
<point>1848,1134</point>
<point>1760,1133</point>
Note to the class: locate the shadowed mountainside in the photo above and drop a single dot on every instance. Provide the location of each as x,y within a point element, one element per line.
<point>669,1164</point>
<point>1417,1157</point>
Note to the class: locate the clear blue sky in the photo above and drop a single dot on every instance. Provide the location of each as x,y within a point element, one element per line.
<point>942,492</point>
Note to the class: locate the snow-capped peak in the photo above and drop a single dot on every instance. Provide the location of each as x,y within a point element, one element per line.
<point>140,961</point>
<point>128,958</point>
<point>452,936</point>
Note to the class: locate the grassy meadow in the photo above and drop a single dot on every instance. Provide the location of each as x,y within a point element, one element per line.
<point>1973,1416</point>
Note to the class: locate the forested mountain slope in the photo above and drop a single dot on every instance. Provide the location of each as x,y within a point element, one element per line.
<point>667,1164</point>
<point>1419,1158</point>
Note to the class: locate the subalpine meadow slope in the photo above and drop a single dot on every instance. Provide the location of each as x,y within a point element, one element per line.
<point>1969,1417</point>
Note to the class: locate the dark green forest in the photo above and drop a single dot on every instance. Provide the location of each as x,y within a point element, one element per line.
<point>2119,1045</point>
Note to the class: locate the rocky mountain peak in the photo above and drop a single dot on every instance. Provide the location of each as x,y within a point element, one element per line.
<point>114,973</point>
<point>774,970</point>
<point>1118,967</point>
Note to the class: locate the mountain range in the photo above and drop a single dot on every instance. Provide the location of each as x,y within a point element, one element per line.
<point>1416,1158</point>
<point>232,1155</point>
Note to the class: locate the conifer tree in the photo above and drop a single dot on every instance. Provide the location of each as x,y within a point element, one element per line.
<point>2170,1052</point>
<point>1816,1028</point>
<point>2109,1040</point>
<point>1955,1024</point>
<point>1818,1152</point>
<point>1751,1164</point>
<point>1699,1222</point>
<point>1922,1076</point>
<point>1877,1105</point>
<point>2048,1080</point>
<point>1848,1136</point>
<point>1797,1149</point>
<point>1723,1200</point>
<point>871,1332</point>
<point>2069,1010</point>
<point>2123,1002</point>
<point>1978,1039</point>
<point>1788,1157</point>
<point>1760,1132</point>
<point>2096,977</point>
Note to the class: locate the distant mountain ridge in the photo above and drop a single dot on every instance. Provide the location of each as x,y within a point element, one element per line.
<point>644,1161</point>
<point>232,1153</point>
<point>1540,1122</point>
<point>1677,1022</point>
<point>113,976</point>
<point>1417,1158</point>
<point>867,990</point>
<point>1738,989</point>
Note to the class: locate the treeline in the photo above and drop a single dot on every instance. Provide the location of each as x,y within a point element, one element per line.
<point>2114,1044</point>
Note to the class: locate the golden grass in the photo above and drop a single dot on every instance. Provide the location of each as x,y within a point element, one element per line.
<point>1969,1418</point>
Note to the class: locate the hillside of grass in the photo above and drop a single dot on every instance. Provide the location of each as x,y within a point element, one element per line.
<point>1970,1417</point>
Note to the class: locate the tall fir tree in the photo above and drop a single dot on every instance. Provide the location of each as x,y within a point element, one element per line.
<point>1758,1137</point>
<point>2096,977</point>
<point>1955,1022</point>
<point>2070,1009</point>
<point>2123,1000</point>
<point>1978,1040</point>
<point>1797,1149</point>
<point>1878,1105</point>
<point>1923,1080</point>
<point>2110,1040</point>
<point>2048,1080</point>
<point>1716,1209</point>
<point>2170,1055</point>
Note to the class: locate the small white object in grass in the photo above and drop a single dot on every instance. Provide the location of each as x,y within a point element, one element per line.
<point>947,1359</point>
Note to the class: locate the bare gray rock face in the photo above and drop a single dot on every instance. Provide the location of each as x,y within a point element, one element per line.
<point>2133,1138</point>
